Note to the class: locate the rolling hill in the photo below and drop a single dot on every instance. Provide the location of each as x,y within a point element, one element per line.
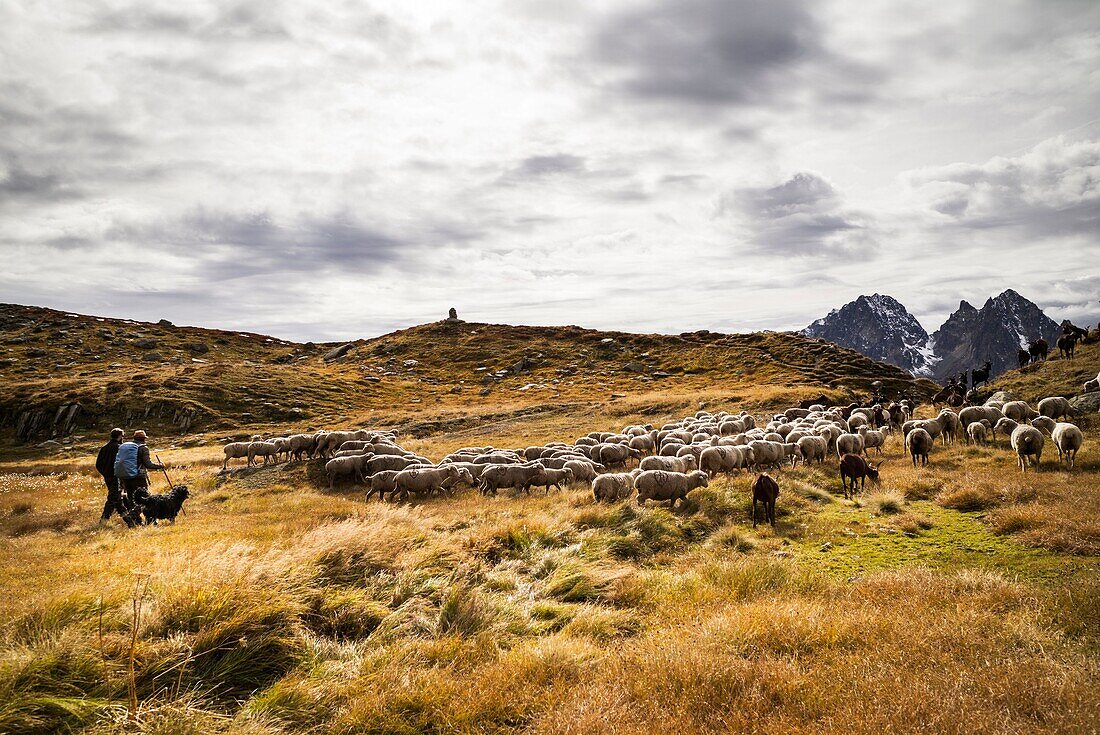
<point>66,373</point>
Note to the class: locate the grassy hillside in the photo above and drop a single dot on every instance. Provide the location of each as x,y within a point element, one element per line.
<point>428,377</point>
<point>1052,377</point>
<point>958,598</point>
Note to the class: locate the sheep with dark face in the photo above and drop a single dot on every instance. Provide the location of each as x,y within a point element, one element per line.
<point>671,486</point>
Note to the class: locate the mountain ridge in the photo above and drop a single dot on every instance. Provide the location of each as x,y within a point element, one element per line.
<point>880,327</point>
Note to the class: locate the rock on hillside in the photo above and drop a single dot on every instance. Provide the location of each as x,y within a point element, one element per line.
<point>881,328</point>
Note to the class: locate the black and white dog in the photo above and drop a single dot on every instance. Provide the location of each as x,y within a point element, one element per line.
<point>164,507</point>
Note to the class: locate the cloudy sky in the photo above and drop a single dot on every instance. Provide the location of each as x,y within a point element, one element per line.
<point>321,169</point>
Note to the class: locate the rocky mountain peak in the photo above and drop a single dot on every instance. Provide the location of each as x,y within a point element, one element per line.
<point>880,327</point>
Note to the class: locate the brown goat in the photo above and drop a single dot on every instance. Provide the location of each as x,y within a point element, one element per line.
<point>855,469</point>
<point>765,490</point>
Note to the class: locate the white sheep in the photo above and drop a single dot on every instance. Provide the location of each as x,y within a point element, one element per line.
<point>671,486</point>
<point>978,433</point>
<point>614,486</point>
<point>234,450</point>
<point>1056,407</point>
<point>849,444</point>
<point>1027,442</point>
<point>686,463</point>
<point>267,450</point>
<point>1067,440</point>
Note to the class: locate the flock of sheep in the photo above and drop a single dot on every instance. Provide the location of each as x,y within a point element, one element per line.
<point>671,461</point>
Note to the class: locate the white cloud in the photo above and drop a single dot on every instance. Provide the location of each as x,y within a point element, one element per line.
<point>335,169</point>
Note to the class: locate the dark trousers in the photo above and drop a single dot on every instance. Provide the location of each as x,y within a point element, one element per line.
<point>116,503</point>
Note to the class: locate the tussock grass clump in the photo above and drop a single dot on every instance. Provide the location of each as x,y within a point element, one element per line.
<point>913,523</point>
<point>344,614</point>
<point>50,687</point>
<point>969,498</point>
<point>887,503</point>
<point>602,623</point>
<point>920,487</point>
<point>235,638</point>
<point>733,538</point>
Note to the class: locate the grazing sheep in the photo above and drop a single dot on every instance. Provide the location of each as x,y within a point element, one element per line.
<point>235,450</point>
<point>919,443</point>
<point>517,476</point>
<point>1093,385</point>
<point>344,467</point>
<point>1044,423</point>
<point>685,463</point>
<point>767,454</point>
<point>978,433</point>
<point>671,486</point>
<point>849,444</point>
<point>1027,442</point>
<point>378,463</point>
<point>813,448</point>
<point>267,450</point>
<point>724,459</point>
<point>1055,407</point>
<point>382,482</point>
<point>1018,411</point>
<point>970,414</point>
<point>302,444</point>
<point>854,470</point>
<point>614,486</point>
<point>949,421</point>
<point>765,490</point>
<point>548,478</point>
<point>614,455</point>
<point>1005,426</point>
<point>429,481</point>
<point>1067,440</point>
<point>644,443</point>
<point>873,438</point>
<point>583,470</point>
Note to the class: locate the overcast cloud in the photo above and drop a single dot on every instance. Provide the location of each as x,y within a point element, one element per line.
<point>339,169</point>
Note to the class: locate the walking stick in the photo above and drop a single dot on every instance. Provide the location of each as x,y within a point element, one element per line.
<point>164,470</point>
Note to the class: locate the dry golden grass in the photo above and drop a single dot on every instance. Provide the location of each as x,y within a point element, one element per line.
<point>277,607</point>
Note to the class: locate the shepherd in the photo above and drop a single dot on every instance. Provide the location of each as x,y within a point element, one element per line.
<point>117,500</point>
<point>132,465</point>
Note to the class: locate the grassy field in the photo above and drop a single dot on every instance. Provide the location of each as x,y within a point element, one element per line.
<point>963,597</point>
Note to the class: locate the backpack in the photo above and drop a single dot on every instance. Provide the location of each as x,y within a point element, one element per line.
<point>126,461</point>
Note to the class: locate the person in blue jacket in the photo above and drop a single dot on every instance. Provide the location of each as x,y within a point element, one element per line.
<point>132,465</point>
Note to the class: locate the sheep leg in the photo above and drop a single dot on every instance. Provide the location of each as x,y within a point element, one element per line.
<point>754,511</point>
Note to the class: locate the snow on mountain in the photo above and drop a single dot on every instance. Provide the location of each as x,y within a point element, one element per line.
<point>881,328</point>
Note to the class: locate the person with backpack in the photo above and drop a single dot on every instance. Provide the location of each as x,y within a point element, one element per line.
<point>117,501</point>
<point>132,465</point>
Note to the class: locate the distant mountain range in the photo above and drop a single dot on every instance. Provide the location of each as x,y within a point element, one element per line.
<point>881,328</point>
